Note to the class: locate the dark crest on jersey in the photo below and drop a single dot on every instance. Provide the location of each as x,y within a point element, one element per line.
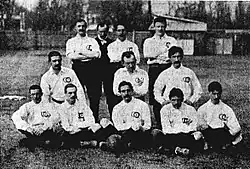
<point>139,80</point>
<point>81,116</point>
<point>45,114</point>
<point>223,117</point>
<point>186,79</point>
<point>130,49</point>
<point>67,79</point>
<point>135,114</point>
<point>89,47</point>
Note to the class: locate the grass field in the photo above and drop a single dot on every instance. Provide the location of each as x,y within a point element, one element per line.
<point>20,69</point>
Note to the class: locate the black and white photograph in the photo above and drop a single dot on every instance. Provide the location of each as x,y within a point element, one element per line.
<point>124,84</point>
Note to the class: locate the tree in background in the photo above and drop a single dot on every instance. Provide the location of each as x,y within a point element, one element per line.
<point>128,12</point>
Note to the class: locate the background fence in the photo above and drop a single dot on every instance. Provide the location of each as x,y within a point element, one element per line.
<point>195,43</point>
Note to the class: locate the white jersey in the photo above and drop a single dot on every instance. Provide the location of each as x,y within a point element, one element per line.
<point>76,117</point>
<point>182,78</point>
<point>157,48</point>
<point>53,84</point>
<point>182,120</point>
<point>217,116</point>
<point>116,48</point>
<point>136,112</point>
<point>85,45</point>
<point>138,79</point>
<point>31,115</point>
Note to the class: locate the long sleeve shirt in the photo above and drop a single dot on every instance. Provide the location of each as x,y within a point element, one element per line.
<point>136,112</point>
<point>139,80</point>
<point>76,117</point>
<point>86,45</point>
<point>182,120</point>
<point>217,116</point>
<point>157,48</point>
<point>116,48</point>
<point>183,78</point>
<point>31,116</point>
<point>53,84</point>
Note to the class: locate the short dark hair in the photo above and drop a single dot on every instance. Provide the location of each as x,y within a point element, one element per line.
<point>127,54</point>
<point>176,92</point>
<point>116,25</point>
<point>175,49</point>
<point>69,85</point>
<point>102,24</point>
<point>124,83</point>
<point>80,20</point>
<point>214,86</point>
<point>34,87</point>
<point>53,53</point>
<point>160,19</point>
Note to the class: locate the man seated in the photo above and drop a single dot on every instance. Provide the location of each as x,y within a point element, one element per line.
<point>179,122</point>
<point>55,79</point>
<point>78,121</point>
<point>217,121</point>
<point>37,120</point>
<point>133,74</point>
<point>131,117</point>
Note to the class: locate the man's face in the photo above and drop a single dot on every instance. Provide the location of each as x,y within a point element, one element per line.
<point>176,102</point>
<point>81,28</point>
<point>71,95</point>
<point>160,28</point>
<point>36,95</point>
<point>176,60</point>
<point>103,31</point>
<point>215,96</point>
<point>130,64</point>
<point>121,32</point>
<point>56,62</point>
<point>126,93</point>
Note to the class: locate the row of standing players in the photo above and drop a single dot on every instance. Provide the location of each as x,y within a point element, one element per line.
<point>172,93</point>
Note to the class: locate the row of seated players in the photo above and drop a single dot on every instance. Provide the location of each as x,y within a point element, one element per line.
<point>72,124</point>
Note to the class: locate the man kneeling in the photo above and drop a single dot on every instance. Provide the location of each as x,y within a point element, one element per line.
<point>38,121</point>
<point>179,122</point>
<point>77,121</point>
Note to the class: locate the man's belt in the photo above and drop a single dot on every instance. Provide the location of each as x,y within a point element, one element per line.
<point>57,101</point>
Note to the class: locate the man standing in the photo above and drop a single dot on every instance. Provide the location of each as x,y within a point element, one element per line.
<point>55,79</point>
<point>133,74</point>
<point>115,50</point>
<point>155,49</point>
<point>37,120</point>
<point>84,53</point>
<point>103,65</point>
<point>217,121</point>
<point>77,120</point>
<point>131,117</point>
<point>179,124</point>
<point>177,76</point>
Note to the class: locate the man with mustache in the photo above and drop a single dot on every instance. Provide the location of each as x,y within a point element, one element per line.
<point>84,52</point>
<point>38,121</point>
<point>115,50</point>
<point>55,79</point>
<point>217,121</point>
<point>131,117</point>
<point>155,50</point>
<point>177,76</point>
<point>78,121</point>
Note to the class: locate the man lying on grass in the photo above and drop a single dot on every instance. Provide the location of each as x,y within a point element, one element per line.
<point>217,121</point>
<point>38,121</point>
<point>179,122</point>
